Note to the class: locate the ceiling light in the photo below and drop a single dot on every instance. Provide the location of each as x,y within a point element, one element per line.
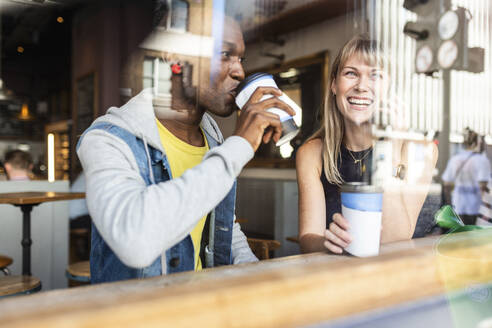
<point>60,19</point>
<point>24,147</point>
<point>24,114</point>
<point>288,74</point>
<point>20,49</point>
<point>5,94</point>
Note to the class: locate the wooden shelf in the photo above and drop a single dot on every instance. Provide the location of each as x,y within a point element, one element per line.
<point>299,17</point>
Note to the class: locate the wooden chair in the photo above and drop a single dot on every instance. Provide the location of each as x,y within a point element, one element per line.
<point>79,272</point>
<point>18,285</point>
<point>262,247</point>
<point>5,261</point>
<point>80,241</point>
<point>293,239</point>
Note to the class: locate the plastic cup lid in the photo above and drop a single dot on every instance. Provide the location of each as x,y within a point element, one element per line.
<point>244,83</point>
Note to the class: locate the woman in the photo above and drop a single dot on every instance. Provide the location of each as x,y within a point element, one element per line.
<point>341,151</point>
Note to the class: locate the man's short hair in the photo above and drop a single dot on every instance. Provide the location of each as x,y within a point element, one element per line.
<point>18,159</point>
<point>470,138</point>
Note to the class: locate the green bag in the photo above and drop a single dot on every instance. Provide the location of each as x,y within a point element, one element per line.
<point>447,218</point>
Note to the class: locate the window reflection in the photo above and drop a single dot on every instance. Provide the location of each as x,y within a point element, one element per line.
<point>157,75</point>
<point>179,15</point>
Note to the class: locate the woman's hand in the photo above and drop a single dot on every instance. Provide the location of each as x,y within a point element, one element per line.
<point>337,236</point>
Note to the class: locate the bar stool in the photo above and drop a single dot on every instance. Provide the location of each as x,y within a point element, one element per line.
<point>18,285</point>
<point>5,261</point>
<point>262,247</point>
<point>79,272</point>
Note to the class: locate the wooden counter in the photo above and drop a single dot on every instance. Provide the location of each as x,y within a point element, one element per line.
<point>286,292</point>
<point>37,197</point>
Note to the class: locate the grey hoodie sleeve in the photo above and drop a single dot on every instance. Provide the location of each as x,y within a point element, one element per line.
<point>241,253</point>
<point>139,222</point>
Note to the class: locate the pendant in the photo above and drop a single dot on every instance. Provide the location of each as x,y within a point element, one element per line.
<point>363,169</point>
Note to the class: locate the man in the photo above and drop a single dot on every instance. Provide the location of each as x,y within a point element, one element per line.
<point>466,176</point>
<point>159,200</point>
<point>18,165</point>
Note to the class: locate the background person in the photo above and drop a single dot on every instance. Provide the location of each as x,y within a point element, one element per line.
<point>18,165</point>
<point>341,151</point>
<point>465,178</point>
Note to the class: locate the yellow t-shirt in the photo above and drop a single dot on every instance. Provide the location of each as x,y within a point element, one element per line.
<point>181,157</point>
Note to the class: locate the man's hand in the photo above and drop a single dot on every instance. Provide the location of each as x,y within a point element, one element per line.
<point>254,118</point>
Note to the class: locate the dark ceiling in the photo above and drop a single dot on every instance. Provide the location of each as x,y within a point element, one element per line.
<point>35,47</point>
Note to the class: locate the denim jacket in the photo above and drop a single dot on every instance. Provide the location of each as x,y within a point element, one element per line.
<point>105,265</point>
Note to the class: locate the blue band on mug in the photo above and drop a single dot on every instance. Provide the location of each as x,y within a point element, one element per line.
<point>369,202</point>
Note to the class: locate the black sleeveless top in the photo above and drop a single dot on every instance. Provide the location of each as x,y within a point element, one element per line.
<point>350,172</point>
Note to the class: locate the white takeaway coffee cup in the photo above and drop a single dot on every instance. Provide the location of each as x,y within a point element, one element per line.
<point>249,85</point>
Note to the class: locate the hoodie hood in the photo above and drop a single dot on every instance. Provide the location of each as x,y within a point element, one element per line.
<point>137,116</point>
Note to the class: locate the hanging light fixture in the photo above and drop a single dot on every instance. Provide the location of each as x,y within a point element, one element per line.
<point>24,114</point>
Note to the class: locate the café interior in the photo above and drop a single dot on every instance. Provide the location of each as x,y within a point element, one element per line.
<point>64,63</point>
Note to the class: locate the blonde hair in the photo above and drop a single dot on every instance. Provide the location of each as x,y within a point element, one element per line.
<point>332,129</point>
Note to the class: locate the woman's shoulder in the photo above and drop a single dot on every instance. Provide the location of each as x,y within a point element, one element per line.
<point>310,154</point>
<point>311,148</point>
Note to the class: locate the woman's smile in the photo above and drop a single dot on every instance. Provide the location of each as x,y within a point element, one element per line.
<point>360,103</point>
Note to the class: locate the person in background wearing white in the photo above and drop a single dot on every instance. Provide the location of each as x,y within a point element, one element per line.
<point>465,178</point>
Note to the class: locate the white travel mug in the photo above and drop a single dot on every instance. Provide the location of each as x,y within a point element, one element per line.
<point>246,89</point>
<point>362,206</point>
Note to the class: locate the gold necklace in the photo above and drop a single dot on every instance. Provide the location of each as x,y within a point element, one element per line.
<point>362,166</point>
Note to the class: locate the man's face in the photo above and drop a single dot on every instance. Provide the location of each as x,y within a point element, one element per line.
<point>226,71</point>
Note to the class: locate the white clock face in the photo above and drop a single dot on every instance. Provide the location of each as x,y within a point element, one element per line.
<point>447,54</point>
<point>424,58</point>
<point>448,25</point>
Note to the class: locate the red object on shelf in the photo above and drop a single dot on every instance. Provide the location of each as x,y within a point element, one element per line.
<point>176,68</point>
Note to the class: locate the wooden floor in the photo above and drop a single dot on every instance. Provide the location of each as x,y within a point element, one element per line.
<point>286,292</point>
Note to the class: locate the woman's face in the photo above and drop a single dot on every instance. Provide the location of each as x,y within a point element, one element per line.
<point>359,89</point>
